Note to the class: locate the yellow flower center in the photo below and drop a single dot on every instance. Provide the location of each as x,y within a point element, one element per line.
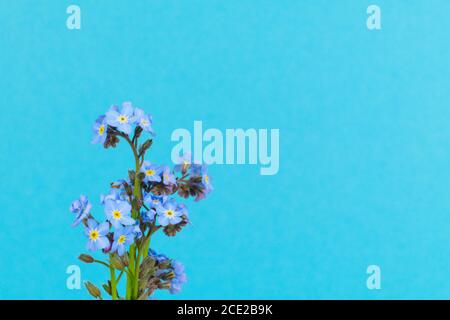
<point>123,118</point>
<point>122,239</point>
<point>93,235</point>
<point>101,130</point>
<point>150,172</point>
<point>169,213</point>
<point>206,179</point>
<point>117,214</point>
<point>144,123</point>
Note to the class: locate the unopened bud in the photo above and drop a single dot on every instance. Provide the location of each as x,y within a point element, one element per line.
<point>107,287</point>
<point>93,290</point>
<point>164,285</point>
<point>168,275</point>
<point>86,258</point>
<point>124,259</point>
<point>164,264</point>
<point>116,262</point>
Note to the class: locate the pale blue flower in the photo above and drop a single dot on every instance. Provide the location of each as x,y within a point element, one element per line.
<point>169,213</point>
<point>121,119</point>
<point>152,172</point>
<point>183,162</point>
<point>114,194</point>
<point>96,234</point>
<point>143,120</point>
<point>118,212</point>
<point>123,237</point>
<point>153,201</point>
<point>81,207</point>
<point>168,177</point>
<point>99,130</point>
<point>180,277</point>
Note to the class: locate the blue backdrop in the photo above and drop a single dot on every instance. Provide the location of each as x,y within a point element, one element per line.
<point>364,140</point>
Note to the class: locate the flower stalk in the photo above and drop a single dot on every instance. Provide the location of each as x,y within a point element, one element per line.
<point>136,208</point>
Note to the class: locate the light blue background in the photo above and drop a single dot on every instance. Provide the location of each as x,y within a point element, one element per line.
<point>364,121</point>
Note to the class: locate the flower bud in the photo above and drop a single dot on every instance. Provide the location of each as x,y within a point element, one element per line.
<point>145,146</point>
<point>164,285</point>
<point>137,132</point>
<point>124,259</point>
<point>86,258</point>
<point>93,290</point>
<point>168,275</point>
<point>116,262</point>
<point>107,287</point>
<point>131,175</point>
<point>164,264</point>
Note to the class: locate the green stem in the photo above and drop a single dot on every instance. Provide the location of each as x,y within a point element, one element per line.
<point>147,242</point>
<point>113,283</point>
<point>101,262</point>
<point>136,277</point>
<point>141,254</point>
<point>130,277</point>
<point>133,280</point>
<point>119,277</point>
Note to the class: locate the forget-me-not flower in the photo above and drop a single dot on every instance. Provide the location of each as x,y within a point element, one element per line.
<point>180,277</point>
<point>169,213</point>
<point>206,180</point>
<point>81,207</point>
<point>183,162</point>
<point>96,234</point>
<point>123,237</point>
<point>118,212</point>
<point>99,130</point>
<point>143,120</point>
<point>168,177</point>
<point>157,256</point>
<point>121,119</point>
<point>153,201</point>
<point>151,172</point>
<point>114,194</point>
<point>149,215</point>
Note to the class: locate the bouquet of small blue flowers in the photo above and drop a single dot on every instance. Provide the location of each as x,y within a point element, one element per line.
<point>137,207</point>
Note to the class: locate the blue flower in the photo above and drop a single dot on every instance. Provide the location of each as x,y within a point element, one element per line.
<point>137,230</point>
<point>178,269</point>
<point>168,177</point>
<point>183,162</point>
<point>158,257</point>
<point>96,234</point>
<point>99,130</point>
<point>118,213</point>
<point>123,237</point>
<point>153,201</point>
<point>169,213</point>
<point>82,208</point>
<point>175,286</point>
<point>143,120</point>
<point>183,210</point>
<point>206,180</point>
<point>180,277</point>
<point>122,119</point>
<point>114,194</point>
<point>195,170</point>
<point>152,172</point>
<point>149,215</point>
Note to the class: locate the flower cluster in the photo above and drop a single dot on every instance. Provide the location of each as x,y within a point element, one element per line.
<point>165,273</point>
<point>137,207</point>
